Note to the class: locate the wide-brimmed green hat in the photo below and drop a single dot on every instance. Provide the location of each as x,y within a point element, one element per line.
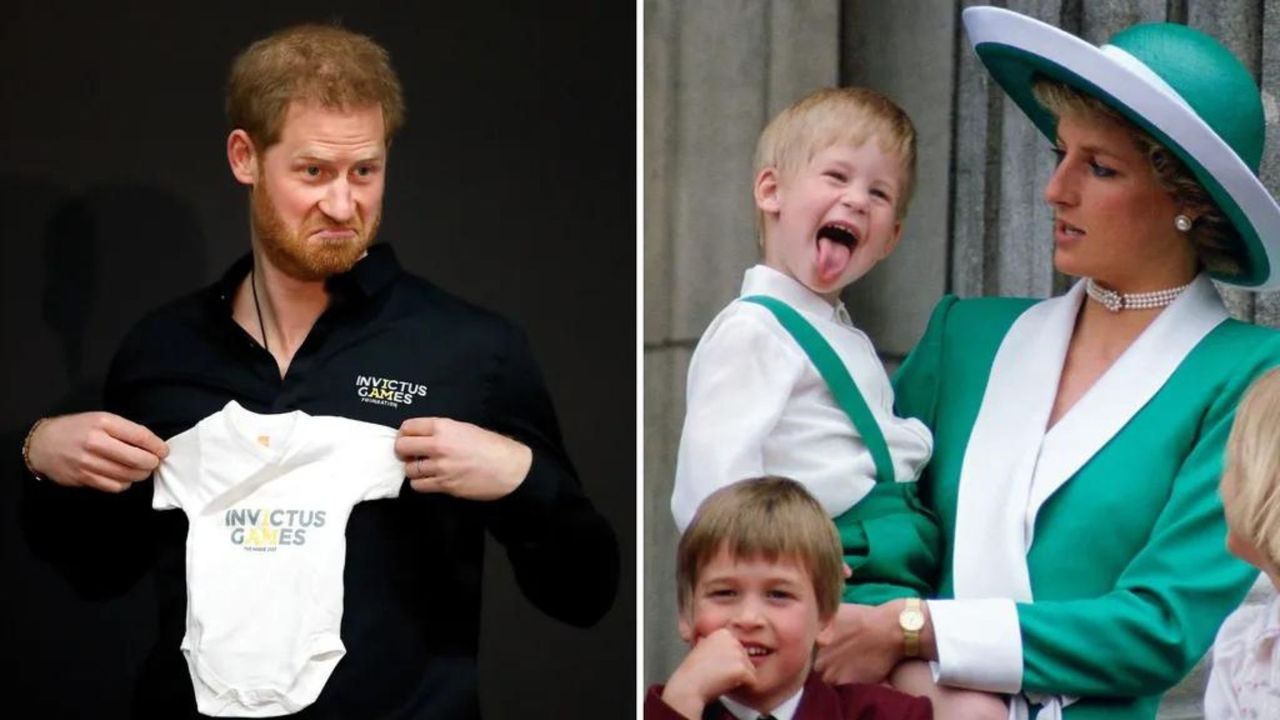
<point>1177,84</point>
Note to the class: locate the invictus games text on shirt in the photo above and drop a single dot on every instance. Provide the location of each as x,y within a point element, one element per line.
<point>265,529</point>
<point>382,391</point>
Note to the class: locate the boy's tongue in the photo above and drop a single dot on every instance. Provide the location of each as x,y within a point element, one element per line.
<point>832,259</point>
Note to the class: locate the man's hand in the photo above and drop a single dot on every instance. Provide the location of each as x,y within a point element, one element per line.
<point>717,664</point>
<point>461,459</point>
<point>95,449</point>
<point>862,645</point>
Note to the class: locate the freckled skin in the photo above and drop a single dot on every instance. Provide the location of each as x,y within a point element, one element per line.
<point>318,200</point>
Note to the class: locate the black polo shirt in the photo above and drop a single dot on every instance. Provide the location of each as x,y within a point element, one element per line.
<point>390,347</point>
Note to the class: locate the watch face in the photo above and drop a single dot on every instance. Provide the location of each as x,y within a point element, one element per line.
<point>911,619</point>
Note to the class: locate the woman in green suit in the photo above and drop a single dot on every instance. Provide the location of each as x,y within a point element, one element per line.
<point>1079,440</point>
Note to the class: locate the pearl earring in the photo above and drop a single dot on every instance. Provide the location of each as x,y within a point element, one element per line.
<point>1182,222</point>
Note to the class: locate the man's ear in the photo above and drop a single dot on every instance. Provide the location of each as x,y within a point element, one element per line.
<point>893,241</point>
<point>242,156</point>
<point>766,191</point>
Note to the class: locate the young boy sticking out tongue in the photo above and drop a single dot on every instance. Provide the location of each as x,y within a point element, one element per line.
<point>782,383</point>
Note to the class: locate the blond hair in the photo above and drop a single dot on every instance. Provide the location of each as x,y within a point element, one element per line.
<point>1214,238</point>
<point>838,116</point>
<point>770,517</point>
<point>322,64</point>
<point>1251,481</point>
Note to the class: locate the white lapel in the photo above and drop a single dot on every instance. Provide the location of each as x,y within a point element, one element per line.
<point>995,477</point>
<point>1126,387</point>
<point>1011,467</point>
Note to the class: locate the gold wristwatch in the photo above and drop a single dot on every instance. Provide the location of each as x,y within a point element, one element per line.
<point>911,620</point>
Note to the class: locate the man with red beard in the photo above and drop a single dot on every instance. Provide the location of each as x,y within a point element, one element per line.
<point>317,318</point>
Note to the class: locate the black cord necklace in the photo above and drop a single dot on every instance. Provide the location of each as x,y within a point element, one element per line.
<point>253,284</point>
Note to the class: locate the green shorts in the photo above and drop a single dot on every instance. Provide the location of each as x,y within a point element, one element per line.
<point>893,544</point>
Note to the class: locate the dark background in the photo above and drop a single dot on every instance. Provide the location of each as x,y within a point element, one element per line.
<point>512,185</point>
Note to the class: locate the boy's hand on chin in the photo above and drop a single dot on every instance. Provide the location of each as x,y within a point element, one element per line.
<point>717,664</point>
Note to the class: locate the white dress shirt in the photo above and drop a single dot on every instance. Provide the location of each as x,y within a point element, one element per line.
<point>785,710</point>
<point>757,406</point>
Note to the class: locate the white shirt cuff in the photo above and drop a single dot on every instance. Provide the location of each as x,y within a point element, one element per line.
<point>979,644</point>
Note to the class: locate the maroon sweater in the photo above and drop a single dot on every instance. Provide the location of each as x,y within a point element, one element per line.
<point>820,701</point>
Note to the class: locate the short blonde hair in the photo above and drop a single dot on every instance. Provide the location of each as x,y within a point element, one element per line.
<point>770,517</point>
<point>1215,239</point>
<point>838,116</point>
<point>323,64</point>
<point>1251,481</point>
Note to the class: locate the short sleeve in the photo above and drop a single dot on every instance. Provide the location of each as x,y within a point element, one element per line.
<point>178,474</point>
<point>386,472</point>
<point>370,451</point>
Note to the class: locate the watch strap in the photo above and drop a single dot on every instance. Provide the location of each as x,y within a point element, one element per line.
<point>911,636</point>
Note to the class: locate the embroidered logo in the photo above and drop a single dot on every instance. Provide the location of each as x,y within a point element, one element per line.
<point>266,529</point>
<point>392,393</point>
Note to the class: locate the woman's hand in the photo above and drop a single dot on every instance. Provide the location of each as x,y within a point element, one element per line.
<point>862,644</point>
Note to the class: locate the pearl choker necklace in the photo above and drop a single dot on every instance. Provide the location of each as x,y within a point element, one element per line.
<point>1117,301</point>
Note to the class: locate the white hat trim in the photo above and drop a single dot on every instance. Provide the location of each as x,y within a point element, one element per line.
<point>1137,67</point>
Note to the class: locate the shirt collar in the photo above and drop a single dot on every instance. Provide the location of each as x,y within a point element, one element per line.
<point>370,275</point>
<point>764,280</point>
<point>786,710</point>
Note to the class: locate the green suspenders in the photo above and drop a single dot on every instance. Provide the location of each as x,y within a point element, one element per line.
<point>891,541</point>
<point>837,377</point>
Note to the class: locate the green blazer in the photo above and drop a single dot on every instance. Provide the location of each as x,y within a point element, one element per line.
<point>1128,565</point>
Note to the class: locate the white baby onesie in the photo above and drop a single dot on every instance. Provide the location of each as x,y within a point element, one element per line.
<point>267,498</point>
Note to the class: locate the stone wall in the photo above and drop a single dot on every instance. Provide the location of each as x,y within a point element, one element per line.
<point>716,70</point>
